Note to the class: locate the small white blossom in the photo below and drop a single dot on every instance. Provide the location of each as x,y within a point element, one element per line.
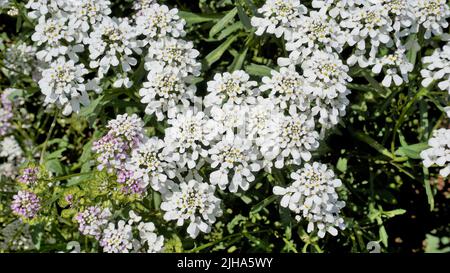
<point>393,64</point>
<point>160,21</point>
<point>164,90</point>
<point>236,158</point>
<point>312,196</point>
<point>278,17</point>
<point>112,43</point>
<point>287,89</point>
<point>296,139</point>
<point>87,13</point>
<point>149,163</point>
<point>368,23</point>
<point>234,88</point>
<point>53,34</point>
<point>188,136</point>
<point>439,151</point>
<point>117,240</point>
<point>194,202</point>
<point>432,15</point>
<point>326,74</point>
<point>316,31</point>
<point>179,54</point>
<point>437,68</point>
<point>63,84</point>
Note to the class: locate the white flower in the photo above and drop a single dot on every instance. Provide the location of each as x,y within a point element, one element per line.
<point>437,68</point>
<point>63,84</point>
<point>234,88</point>
<point>149,240</point>
<point>142,4</point>
<point>188,136</point>
<point>229,117</point>
<point>394,64</point>
<point>368,23</point>
<point>312,196</point>
<point>287,89</point>
<point>87,13</point>
<point>148,162</point>
<point>236,158</point>
<point>432,15</point>
<point>326,74</point>
<point>296,139</point>
<point>439,151</point>
<point>329,110</point>
<point>53,33</point>
<point>402,13</point>
<point>160,21</point>
<point>194,202</point>
<point>112,43</point>
<point>176,53</point>
<point>122,80</point>
<point>10,149</point>
<point>278,17</point>
<point>164,90</point>
<point>40,8</point>
<point>336,6</point>
<point>316,31</point>
<point>262,120</point>
<point>117,240</point>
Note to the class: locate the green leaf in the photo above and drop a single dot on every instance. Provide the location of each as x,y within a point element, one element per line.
<point>264,203</point>
<point>393,213</point>
<point>215,55</point>
<point>54,165</point>
<point>222,23</point>
<point>230,29</point>
<point>412,151</point>
<point>238,60</point>
<point>244,17</point>
<point>428,191</point>
<point>383,235</point>
<point>258,70</point>
<point>193,18</point>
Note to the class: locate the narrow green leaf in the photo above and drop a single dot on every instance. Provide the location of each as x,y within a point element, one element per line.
<point>258,70</point>
<point>428,191</point>
<point>193,18</point>
<point>264,203</point>
<point>222,23</point>
<point>230,29</point>
<point>244,17</point>
<point>393,213</point>
<point>238,60</point>
<point>412,151</point>
<point>215,55</point>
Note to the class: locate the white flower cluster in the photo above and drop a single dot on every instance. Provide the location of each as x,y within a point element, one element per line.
<point>193,201</point>
<point>312,196</point>
<point>66,29</point>
<point>437,68</point>
<point>439,152</point>
<point>171,61</point>
<point>121,238</point>
<point>134,235</point>
<point>365,26</point>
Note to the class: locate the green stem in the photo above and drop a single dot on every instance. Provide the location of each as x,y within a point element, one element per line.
<point>44,147</point>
